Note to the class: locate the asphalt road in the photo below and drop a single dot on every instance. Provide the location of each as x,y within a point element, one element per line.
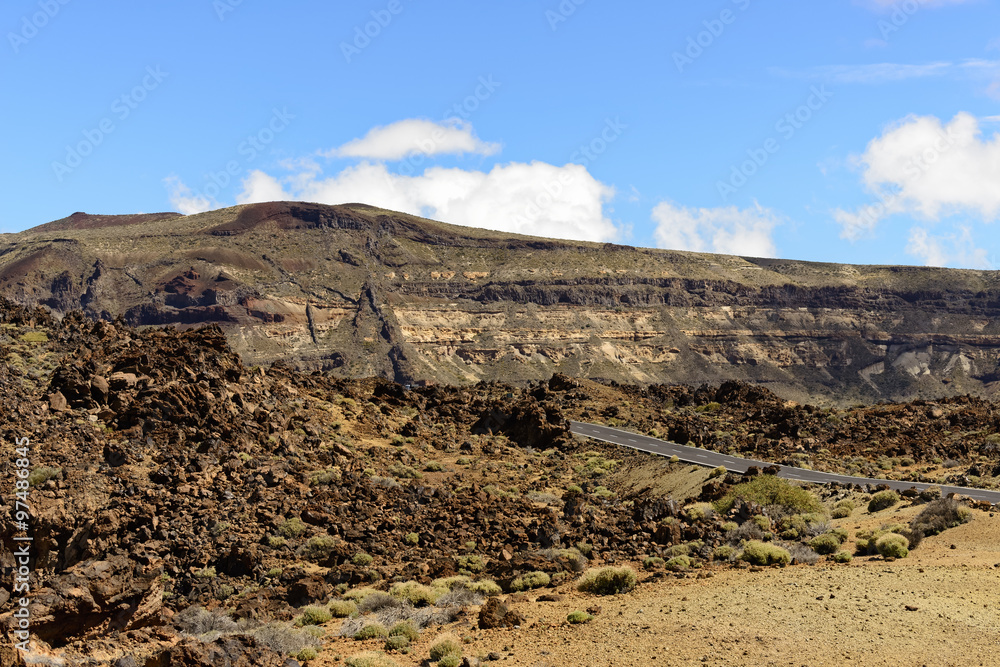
<point>705,457</point>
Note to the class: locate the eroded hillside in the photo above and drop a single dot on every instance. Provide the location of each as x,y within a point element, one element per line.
<point>359,291</point>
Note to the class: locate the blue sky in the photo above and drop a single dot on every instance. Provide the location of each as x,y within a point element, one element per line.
<point>829,130</point>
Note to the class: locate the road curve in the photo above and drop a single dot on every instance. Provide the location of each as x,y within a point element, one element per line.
<point>736,464</point>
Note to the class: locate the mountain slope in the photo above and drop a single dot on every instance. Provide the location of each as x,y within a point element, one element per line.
<point>357,291</point>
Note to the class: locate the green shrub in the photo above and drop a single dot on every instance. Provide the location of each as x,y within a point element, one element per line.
<point>882,500</point>
<point>306,654</point>
<point>206,573</point>
<point>893,545</point>
<point>396,643</point>
<point>652,562</point>
<point>416,594</point>
<point>574,488</point>
<point>825,544</point>
<point>314,616</point>
<point>319,547</point>
<point>585,548</point>
<point>470,563</point>
<point>433,466</point>
<point>758,553</point>
<point>412,539</point>
<point>486,587</point>
<point>369,659</point>
<point>718,472</point>
<point>940,515</point>
<point>608,581</point>
<point>840,513</point>
<point>529,581</point>
<point>342,608</point>
<point>403,471</point>
<point>761,521</point>
<point>371,631</point>
<point>770,490</point>
<point>44,474</point>
<point>405,629</point>
<point>445,645</point>
<point>678,563</point>
<point>325,477</point>
<point>725,552</point>
<point>842,557</point>
<point>359,594</point>
<point>840,534</point>
<point>293,527</point>
<point>361,559</point>
<point>577,617</point>
<point>700,511</point>
<point>276,541</point>
<point>729,526</point>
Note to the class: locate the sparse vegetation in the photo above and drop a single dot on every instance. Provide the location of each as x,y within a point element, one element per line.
<point>883,500</point>
<point>342,608</point>
<point>678,563</point>
<point>842,509</point>
<point>530,580</point>
<point>361,559</point>
<point>314,616</point>
<point>652,562</point>
<point>43,474</point>
<point>371,631</point>
<point>892,545</point>
<point>759,553</point>
<point>940,515</point>
<point>415,593</point>
<point>578,617</point>
<point>294,527</point>
<point>405,629</point>
<point>470,564</point>
<point>370,659</point>
<point>608,581</point>
<point>771,490</point>
<point>825,544</point>
<point>445,645</point>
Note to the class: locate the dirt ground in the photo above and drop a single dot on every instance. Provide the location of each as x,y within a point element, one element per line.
<point>937,608</point>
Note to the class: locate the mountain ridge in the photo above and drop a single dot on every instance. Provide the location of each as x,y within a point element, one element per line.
<point>357,291</point>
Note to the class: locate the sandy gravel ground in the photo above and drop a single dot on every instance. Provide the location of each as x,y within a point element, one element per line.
<point>823,614</point>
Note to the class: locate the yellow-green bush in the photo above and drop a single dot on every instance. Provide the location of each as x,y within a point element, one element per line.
<point>529,581</point>
<point>893,545</point>
<point>770,490</point>
<point>608,581</point>
<point>882,500</point>
<point>758,553</point>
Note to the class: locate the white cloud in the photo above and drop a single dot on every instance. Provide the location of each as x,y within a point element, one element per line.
<point>537,198</point>
<point>727,230</point>
<point>955,250</point>
<point>923,167</point>
<point>415,136</point>
<point>184,200</point>
<point>259,187</point>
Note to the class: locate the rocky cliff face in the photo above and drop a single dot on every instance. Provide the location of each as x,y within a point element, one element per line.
<point>360,291</point>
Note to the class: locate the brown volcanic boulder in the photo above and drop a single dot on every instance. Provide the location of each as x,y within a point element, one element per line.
<point>107,595</point>
<point>495,614</point>
<point>229,651</point>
